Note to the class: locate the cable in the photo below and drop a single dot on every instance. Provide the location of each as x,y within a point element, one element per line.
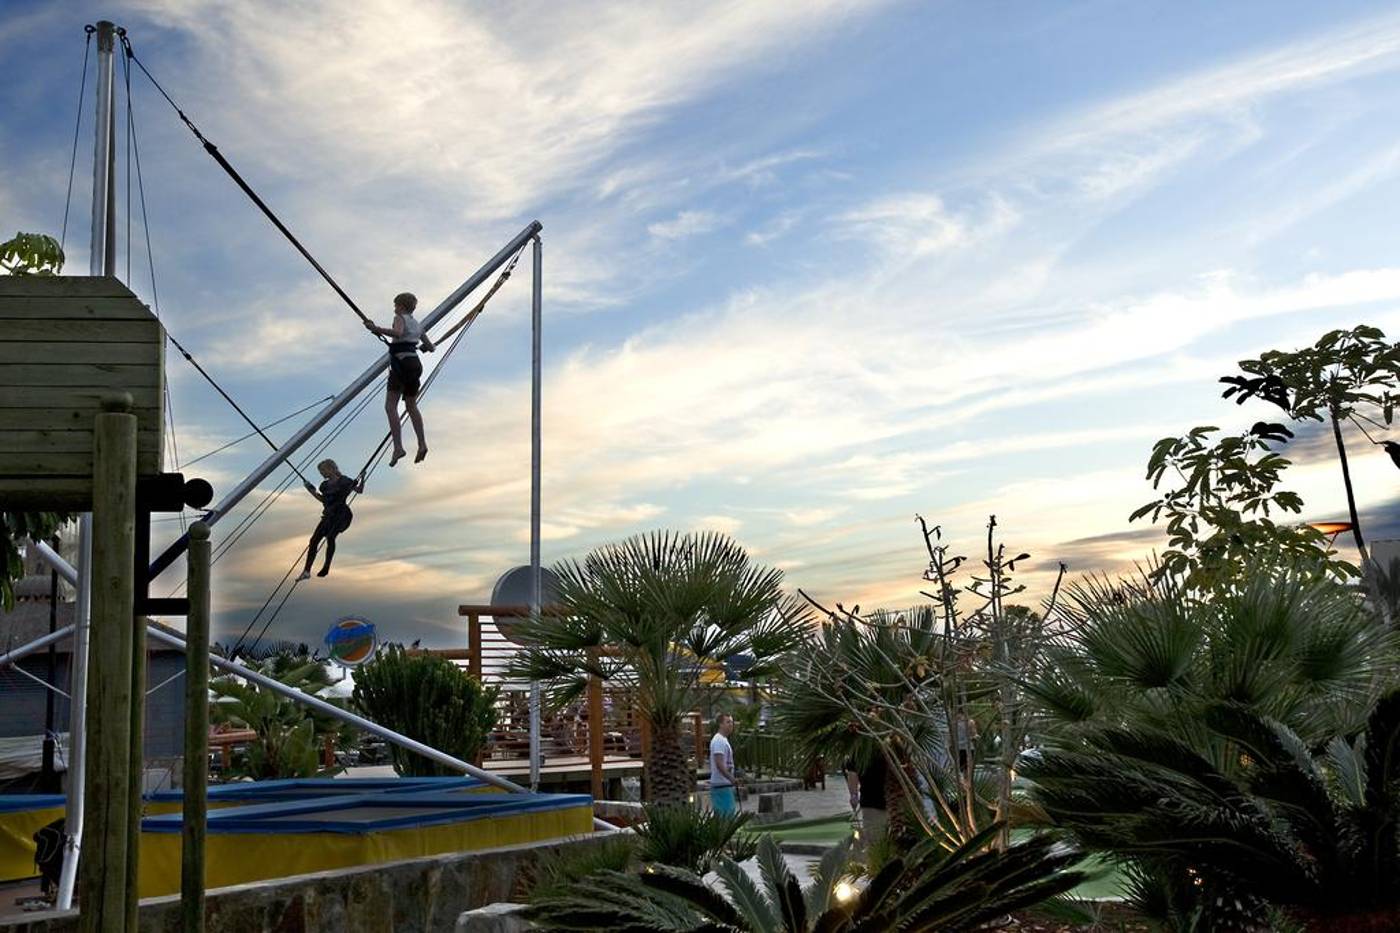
<point>247,189</point>
<point>78,125</point>
<point>270,424</point>
<point>372,463</point>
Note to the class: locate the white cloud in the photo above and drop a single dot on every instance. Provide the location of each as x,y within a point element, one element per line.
<point>685,224</point>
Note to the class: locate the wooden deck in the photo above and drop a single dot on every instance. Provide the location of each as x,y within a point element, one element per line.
<point>558,769</point>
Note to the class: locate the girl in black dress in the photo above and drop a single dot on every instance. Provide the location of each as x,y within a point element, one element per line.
<point>335,513</point>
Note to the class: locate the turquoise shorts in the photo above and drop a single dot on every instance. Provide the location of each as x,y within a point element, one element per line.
<point>723,799</point>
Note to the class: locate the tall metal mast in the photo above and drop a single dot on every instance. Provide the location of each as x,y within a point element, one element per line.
<point>102,260</point>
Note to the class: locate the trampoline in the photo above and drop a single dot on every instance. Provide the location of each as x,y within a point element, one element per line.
<point>275,840</point>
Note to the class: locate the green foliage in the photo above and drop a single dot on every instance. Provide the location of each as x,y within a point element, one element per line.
<point>429,699</point>
<point>31,254</point>
<point>928,890</point>
<point>559,868</point>
<point>684,836</point>
<point>650,614</point>
<point>15,527</point>
<point>1149,653</point>
<point>1343,372</point>
<point>1227,848</point>
<point>288,742</point>
<point>1221,506</point>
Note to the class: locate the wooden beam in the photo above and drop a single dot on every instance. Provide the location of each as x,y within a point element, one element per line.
<point>74,308</point>
<point>77,286</point>
<point>60,441</point>
<point>61,374</point>
<point>89,397</point>
<point>105,880</point>
<point>145,352</point>
<point>51,331</point>
<point>194,817</point>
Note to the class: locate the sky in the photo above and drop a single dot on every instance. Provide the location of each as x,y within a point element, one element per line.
<point>810,270</point>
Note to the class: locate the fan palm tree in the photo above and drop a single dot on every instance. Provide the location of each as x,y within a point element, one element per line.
<point>1316,835</point>
<point>650,613</point>
<point>1147,653</point>
<point>928,890</point>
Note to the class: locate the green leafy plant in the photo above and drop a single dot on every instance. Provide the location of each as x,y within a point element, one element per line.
<point>684,836</point>
<point>1221,502</point>
<point>652,614</point>
<point>1286,828</point>
<point>429,699</point>
<point>288,738</point>
<point>929,889</point>
<point>15,528</point>
<point>1347,375</point>
<point>31,254</point>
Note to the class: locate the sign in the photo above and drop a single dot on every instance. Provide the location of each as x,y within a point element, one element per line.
<point>351,641</point>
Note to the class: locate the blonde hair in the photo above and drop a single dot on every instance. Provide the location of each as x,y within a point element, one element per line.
<point>328,463</point>
<point>407,300</point>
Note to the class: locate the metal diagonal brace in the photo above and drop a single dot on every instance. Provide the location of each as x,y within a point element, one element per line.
<point>346,395</point>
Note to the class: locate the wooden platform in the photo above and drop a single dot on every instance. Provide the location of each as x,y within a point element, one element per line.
<point>560,769</point>
<point>66,342</point>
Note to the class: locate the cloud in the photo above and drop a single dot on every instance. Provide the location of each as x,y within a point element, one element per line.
<point>685,224</point>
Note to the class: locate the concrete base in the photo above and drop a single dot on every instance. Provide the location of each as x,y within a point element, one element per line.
<point>414,896</point>
<point>494,918</point>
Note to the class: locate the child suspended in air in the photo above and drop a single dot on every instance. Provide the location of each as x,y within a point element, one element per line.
<point>405,372</point>
<point>335,513</point>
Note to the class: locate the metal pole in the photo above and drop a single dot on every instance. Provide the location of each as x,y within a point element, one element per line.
<point>536,301</point>
<point>38,644</point>
<point>195,785</point>
<point>103,147</point>
<point>348,394</point>
<point>103,223</point>
<point>49,783</point>
<point>77,712</point>
<point>345,716</point>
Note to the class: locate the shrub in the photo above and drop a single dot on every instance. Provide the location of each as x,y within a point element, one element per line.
<point>429,699</point>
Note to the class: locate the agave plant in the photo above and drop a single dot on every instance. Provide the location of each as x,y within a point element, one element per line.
<point>1317,835</point>
<point>650,613</point>
<point>930,889</point>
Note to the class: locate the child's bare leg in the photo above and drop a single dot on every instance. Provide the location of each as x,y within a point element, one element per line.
<point>391,408</point>
<point>416,417</point>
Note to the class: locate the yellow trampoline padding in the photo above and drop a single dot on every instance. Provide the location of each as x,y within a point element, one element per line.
<point>239,858</point>
<point>17,829</point>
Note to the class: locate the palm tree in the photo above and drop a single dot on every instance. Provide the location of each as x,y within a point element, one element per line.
<point>1148,653</point>
<point>649,613</point>
<point>287,735</point>
<point>1316,835</point>
<point>929,890</point>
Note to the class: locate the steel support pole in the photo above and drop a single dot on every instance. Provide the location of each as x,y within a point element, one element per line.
<point>347,395</point>
<point>196,783</point>
<point>345,716</point>
<point>103,147</point>
<point>38,644</point>
<point>536,362</point>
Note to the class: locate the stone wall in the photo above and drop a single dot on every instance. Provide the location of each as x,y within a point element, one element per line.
<point>415,896</point>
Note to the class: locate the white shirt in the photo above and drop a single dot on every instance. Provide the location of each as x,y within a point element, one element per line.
<point>719,745</point>
<point>412,328</point>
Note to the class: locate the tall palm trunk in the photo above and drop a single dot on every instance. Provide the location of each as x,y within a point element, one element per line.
<point>1351,496</point>
<point>669,778</point>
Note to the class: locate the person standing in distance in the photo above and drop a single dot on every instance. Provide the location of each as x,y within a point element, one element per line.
<point>723,797</point>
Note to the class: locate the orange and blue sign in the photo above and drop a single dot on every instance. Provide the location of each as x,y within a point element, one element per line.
<point>351,641</point>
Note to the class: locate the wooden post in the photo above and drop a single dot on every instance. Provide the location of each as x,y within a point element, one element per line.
<point>474,645</point>
<point>196,784</point>
<point>135,802</point>
<point>108,882</point>
<point>595,729</point>
<point>644,733</point>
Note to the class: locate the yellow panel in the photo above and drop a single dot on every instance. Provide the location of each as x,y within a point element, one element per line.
<point>17,829</point>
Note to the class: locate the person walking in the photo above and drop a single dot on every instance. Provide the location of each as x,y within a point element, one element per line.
<point>723,795</point>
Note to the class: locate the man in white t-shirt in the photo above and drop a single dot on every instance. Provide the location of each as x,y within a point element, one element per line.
<point>722,795</point>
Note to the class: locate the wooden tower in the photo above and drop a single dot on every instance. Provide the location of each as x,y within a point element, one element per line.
<point>66,344</point>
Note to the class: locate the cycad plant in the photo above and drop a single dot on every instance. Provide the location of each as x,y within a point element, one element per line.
<point>929,889</point>
<point>649,614</point>
<point>684,836</point>
<point>1313,835</point>
<point>429,699</point>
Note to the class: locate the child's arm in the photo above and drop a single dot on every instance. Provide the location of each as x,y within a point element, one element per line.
<point>312,489</point>
<point>381,331</point>
<point>360,485</point>
<point>427,345</point>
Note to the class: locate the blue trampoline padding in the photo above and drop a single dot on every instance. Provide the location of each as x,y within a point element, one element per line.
<point>329,816</point>
<point>14,803</point>
<point>304,788</point>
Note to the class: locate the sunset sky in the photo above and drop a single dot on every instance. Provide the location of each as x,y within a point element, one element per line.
<point>810,268</point>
